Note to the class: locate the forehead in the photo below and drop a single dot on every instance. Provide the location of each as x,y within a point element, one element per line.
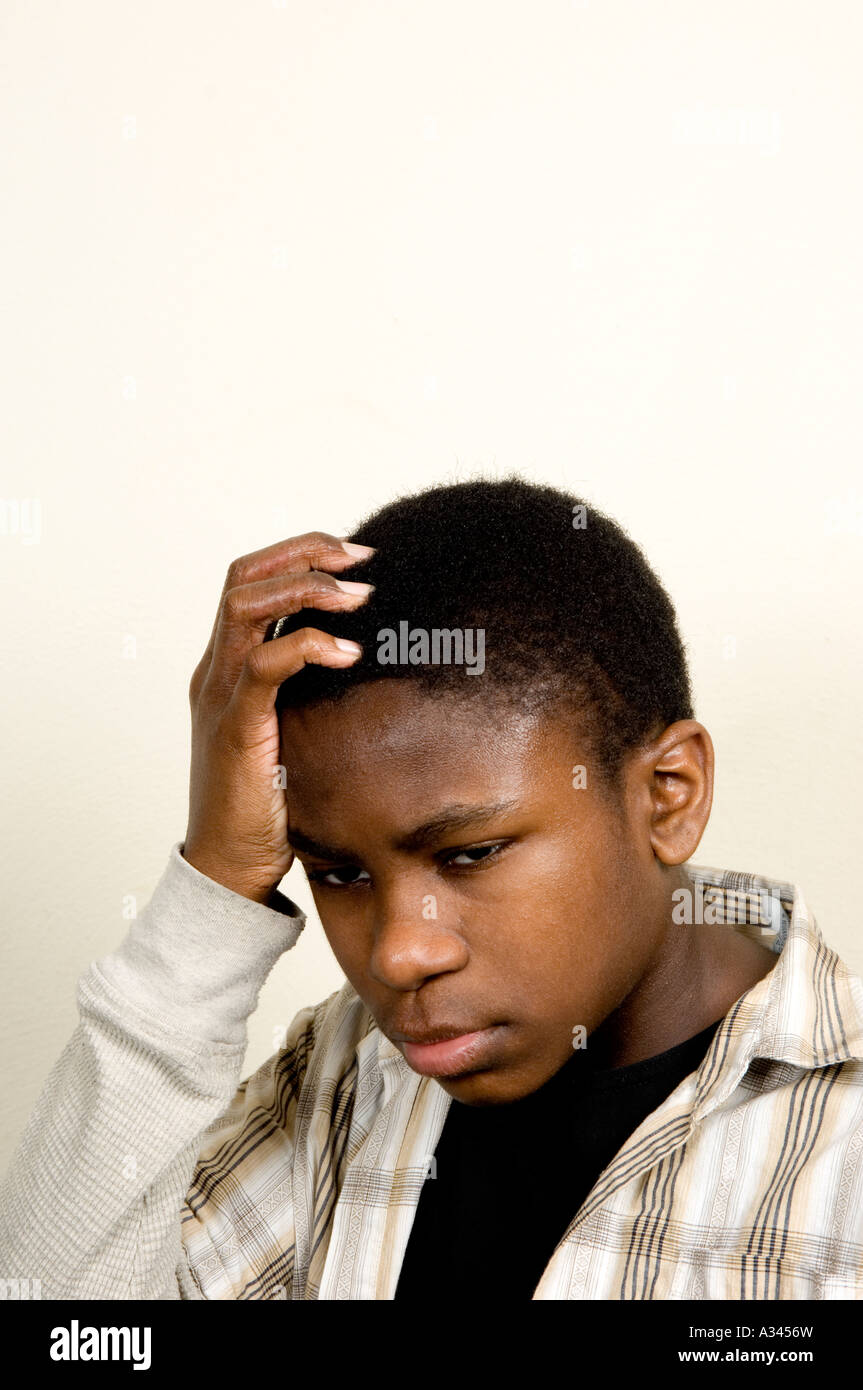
<point>388,740</point>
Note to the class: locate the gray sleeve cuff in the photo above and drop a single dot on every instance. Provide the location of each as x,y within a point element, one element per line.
<point>195,959</point>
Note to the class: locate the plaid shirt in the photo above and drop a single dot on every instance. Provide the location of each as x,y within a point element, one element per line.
<point>745,1183</point>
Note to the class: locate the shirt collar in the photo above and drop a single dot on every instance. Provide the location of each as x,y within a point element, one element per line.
<point>807,1012</point>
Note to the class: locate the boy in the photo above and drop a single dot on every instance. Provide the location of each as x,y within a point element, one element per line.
<point>564,1065</point>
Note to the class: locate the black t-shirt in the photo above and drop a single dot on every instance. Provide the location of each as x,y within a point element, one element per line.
<point>508,1179</point>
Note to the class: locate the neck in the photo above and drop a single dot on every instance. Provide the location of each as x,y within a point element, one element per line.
<point>692,979</point>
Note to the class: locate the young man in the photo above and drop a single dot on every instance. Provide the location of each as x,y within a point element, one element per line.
<point>565,1064</point>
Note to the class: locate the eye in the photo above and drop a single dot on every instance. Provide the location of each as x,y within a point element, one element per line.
<point>476,855</point>
<point>326,876</point>
<point>350,876</point>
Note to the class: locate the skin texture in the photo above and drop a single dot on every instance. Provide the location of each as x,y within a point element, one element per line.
<point>568,923</point>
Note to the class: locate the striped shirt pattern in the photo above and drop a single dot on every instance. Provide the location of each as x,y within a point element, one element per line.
<point>746,1183</point>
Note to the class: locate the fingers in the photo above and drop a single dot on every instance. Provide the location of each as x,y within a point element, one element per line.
<point>244,615</point>
<point>315,550</point>
<point>249,611</point>
<point>266,666</point>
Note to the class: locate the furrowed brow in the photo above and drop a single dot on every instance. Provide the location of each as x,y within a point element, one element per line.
<point>457,817</point>
<point>298,840</point>
<point>447,820</point>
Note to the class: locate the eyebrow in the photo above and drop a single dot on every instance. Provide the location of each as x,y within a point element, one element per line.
<point>455,817</point>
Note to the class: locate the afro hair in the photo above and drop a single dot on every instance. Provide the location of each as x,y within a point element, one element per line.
<point>572,614</point>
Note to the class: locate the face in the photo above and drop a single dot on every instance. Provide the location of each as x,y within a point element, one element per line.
<point>468,890</point>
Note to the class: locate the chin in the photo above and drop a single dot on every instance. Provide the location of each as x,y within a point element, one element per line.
<point>492,1087</point>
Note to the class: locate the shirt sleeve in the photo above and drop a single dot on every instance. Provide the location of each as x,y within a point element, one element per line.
<point>91,1202</point>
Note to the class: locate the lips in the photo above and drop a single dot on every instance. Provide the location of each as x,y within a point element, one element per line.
<point>434,1035</point>
<point>444,1052</point>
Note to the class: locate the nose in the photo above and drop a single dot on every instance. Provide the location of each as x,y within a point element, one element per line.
<point>411,942</point>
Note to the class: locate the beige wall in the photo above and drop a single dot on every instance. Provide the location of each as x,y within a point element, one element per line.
<point>265,266</point>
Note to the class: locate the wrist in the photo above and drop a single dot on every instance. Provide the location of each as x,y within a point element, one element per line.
<point>256,889</point>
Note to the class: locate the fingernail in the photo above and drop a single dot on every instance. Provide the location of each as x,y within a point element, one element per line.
<point>345,646</point>
<point>350,586</point>
<point>359,552</point>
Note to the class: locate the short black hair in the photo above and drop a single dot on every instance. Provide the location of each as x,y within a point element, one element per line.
<point>572,613</point>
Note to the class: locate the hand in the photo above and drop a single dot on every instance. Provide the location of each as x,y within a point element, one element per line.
<point>238,815</point>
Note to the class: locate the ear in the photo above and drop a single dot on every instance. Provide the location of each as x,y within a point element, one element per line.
<point>679,765</point>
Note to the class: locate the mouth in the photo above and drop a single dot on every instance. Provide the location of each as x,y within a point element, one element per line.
<point>446,1051</point>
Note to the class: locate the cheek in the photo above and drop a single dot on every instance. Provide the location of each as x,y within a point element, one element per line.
<point>347,941</point>
<point>570,938</point>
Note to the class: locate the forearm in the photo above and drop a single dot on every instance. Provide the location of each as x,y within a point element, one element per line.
<point>91,1203</point>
